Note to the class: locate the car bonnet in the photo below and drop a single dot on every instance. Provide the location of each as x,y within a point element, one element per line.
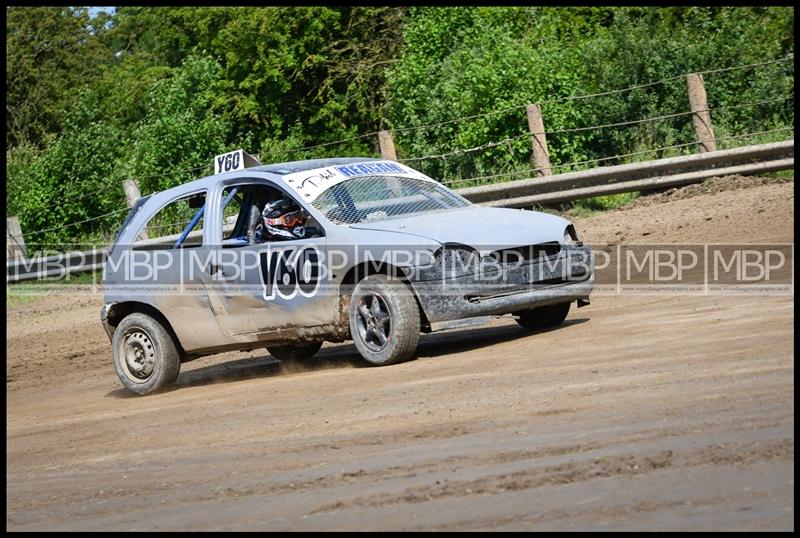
<point>482,228</point>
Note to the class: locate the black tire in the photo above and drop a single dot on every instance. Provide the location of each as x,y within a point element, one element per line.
<point>145,356</point>
<point>294,352</point>
<point>544,316</point>
<point>254,226</point>
<point>400,330</point>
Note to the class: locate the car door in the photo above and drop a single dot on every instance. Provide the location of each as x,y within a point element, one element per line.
<point>158,269</point>
<point>264,288</point>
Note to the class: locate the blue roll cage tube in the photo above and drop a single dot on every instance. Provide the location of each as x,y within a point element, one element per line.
<point>199,215</point>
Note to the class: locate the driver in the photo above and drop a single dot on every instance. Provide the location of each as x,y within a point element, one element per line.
<point>282,220</point>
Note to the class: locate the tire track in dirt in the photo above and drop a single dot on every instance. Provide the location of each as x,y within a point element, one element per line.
<point>620,465</point>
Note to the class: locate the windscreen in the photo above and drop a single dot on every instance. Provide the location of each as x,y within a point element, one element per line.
<point>375,198</point>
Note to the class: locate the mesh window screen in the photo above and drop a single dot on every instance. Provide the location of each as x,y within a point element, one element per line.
<point>374,198</point>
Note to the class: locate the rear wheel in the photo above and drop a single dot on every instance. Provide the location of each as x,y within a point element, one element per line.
<point>145,357</point>
<point>544,316</point>
<point>384,320</point>
<point>294,352</point>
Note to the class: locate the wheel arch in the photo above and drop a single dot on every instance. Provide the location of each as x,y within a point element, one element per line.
<point>364,269</point>
<point>119,311</point>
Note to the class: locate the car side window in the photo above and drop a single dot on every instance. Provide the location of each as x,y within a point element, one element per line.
<point>179,224</point>
<point>258,213</point>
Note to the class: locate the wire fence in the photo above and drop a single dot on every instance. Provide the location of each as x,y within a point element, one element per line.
<point>590,128</point>
<point>534,171</point>
<point>324,145</point>
<point>71,224</point>
<point>467,150</point>
<point>585,96</point>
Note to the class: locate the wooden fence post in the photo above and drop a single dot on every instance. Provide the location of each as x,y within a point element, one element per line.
<point>701,116</point>
<point>388,152</point>
<point>132,194</point>
<point>387,145</point>
<point>541,158</point>
<point>15,243</point>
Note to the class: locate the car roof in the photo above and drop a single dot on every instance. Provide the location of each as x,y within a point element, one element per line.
<point>309,164</point>
<point>280,169</point>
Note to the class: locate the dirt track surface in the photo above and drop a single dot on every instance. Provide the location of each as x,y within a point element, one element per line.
<point>639,412</point>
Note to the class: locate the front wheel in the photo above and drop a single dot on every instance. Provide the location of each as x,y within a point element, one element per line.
<point>145,357</point>
<point>294,352</point>
<point>544,316</point>
<point>384,320</point>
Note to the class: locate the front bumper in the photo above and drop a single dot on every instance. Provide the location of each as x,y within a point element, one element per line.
<point>567,277</point>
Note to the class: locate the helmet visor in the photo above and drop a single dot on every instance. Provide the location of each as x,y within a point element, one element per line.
<point>295,218</point>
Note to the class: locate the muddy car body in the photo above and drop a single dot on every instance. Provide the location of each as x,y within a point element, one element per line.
<point>386,253</point>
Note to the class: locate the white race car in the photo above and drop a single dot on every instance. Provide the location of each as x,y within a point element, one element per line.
<point>286,256</point>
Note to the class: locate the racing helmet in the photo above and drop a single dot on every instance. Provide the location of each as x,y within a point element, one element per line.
<point>283,219</point>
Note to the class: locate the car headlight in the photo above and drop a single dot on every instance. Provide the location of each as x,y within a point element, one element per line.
<point>455,261</point>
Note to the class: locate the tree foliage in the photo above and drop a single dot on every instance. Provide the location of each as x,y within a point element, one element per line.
<point>463,62</point>
<point>49,53</point>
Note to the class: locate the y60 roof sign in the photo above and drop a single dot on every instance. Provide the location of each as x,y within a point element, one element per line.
<point>235,160</point>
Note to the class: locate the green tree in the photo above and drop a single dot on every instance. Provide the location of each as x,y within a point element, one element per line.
<point>461,62</point>
<point>181,129</point>
<point>49,52</point>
